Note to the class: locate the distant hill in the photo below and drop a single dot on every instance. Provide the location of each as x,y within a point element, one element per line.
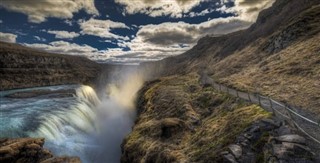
<point>278,56</point>
<point>22,67</point>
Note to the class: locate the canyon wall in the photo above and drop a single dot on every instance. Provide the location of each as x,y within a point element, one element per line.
<point>22,67</point>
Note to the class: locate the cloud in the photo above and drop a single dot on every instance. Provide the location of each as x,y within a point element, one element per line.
<point>202,13</point>
<point>246,9</point>
<point>154,8</point>
<point>176,33</point>
<point>39,38</point>
<point>68,22</point>
<point>157,41</point>
<point>64,47</point>
<point>1,21</point>
<point>64,34</point>
<point>102,28</point>
<point>38,11</point>
<point>8,37</point>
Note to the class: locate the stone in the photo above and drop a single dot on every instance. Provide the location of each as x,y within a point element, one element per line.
<point>248,136</point>
<point>236,150</point>
<point>298,149</point>
<point>224,153</point>
<point>284,130</point>
<point>291,138</point>
<point>248,158</point>
<point>229,158</point>
<point>28,150</point>
<point>281,151</point>
<point>272,122</point>
<point>240,139</point>
<point>255,128</point>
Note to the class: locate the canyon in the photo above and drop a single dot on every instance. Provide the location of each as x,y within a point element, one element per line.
<point>178,117</point>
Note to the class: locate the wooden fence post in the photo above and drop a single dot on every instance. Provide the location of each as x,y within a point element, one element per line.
<point>237,93</point>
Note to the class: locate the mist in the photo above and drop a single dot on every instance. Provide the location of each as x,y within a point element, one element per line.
<point>117,112</point>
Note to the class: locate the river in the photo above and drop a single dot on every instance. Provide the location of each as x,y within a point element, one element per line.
<point>87,124</point>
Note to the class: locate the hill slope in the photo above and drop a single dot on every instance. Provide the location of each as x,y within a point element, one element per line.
<point>277,56</point>
<point>22,67</point>
<point>182,121</point>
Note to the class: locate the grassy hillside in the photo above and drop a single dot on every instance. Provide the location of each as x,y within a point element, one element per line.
<point>277,56</point>
<point>181,121</point>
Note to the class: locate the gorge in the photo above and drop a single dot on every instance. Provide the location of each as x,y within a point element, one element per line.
<point>170,110</point>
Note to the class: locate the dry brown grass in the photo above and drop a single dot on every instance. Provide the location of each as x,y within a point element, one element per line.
<point>180,121</point>
<point>291,75</point>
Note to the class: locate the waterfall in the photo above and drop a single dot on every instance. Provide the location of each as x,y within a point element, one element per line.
<point>79,116</point>
<point>93,127</point>
<point>88,124</point>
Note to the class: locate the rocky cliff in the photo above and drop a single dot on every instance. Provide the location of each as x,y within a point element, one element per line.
<point>24,150</point>
<point>22,67</point>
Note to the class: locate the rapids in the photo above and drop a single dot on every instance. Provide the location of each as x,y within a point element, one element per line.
<point>86,124</point>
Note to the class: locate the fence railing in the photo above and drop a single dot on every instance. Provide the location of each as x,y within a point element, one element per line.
<point>291,114</point>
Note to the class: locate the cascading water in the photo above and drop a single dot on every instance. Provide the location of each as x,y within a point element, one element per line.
<point>85,125</point>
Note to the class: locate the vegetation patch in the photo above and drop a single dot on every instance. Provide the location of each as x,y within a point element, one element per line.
<point>180,120</point>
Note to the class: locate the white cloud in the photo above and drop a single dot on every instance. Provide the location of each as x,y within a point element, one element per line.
<point>64,47</point>
<point>246,9</point>
<point>8,37</point>
<point>39,38</point>
<point>1,21</point>
<point>68,22</point>
<point>38,11</point>
<point>202,13</point>
<point>64,34</point>
<point>176,33</point>
<point>154,8</point>
<point>101,28</point>
<point>154,42</point>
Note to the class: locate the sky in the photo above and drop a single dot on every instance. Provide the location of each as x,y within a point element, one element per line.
<point>122,31</point>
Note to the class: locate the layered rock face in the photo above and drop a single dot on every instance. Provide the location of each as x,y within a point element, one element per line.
<point>24,150</point>
<point>22,67</point>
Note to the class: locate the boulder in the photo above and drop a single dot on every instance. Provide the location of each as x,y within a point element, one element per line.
<point>236,150</point>
<point>229,158</point>
<point>291,138</point>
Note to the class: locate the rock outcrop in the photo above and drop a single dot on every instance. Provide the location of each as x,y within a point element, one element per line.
<point>268,140</point>
<point>22,67</point>
<point>29,150</point>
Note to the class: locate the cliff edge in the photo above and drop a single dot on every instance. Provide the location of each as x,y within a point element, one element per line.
<point>23,67</point>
